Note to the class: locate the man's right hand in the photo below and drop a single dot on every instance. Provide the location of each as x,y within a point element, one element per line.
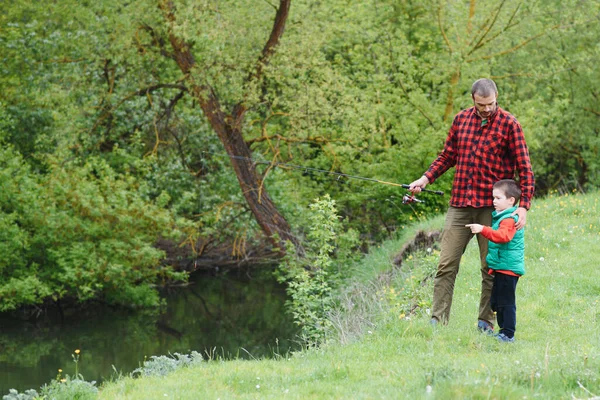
<point>416,186</point>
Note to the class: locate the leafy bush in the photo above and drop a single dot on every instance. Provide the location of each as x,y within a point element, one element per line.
<point>14,394</point>
<point>79,232</point>
<point>163,365</point>
<point>312,278</point>
<point>70,389</point>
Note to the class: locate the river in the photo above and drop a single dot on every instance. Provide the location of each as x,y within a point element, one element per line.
<point>228,315</point>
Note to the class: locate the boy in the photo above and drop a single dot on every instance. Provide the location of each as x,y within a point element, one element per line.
<point>506,255</point>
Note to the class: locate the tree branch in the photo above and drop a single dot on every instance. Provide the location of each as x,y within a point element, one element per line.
<point>153,88</point>
<point>419,109</point>
<point>157,41</point>
<point>276,33</point>
<point>185,60</point>
<point>395,78</point>
<point>517,47</point>
<point>509,25</point>
<point>64,60</point>
<point>489,28</point>
<point>141,92</point>
<point>271,4</point>
<point>557,26</point>
<point>471,15</point>
<point>530,74</point>
<point>442,29</point>
<point>597,113</point>
<point>181,49</point>
<point>265,56</point>
<point>315,139</point>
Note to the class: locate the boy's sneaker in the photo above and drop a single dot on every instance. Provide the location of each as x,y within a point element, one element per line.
<point>485,327</point>
<point>503,338</point>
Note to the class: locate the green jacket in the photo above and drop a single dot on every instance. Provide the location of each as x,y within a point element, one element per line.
<point>507,256</point>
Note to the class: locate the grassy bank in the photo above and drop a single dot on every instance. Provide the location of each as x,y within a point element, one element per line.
<point>397,354</point>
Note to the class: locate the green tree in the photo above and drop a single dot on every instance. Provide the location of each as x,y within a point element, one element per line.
<point>79,232</point>
<point>163,93</point>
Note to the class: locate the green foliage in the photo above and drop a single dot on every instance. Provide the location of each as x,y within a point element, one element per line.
<point>70,389</point>
<point>26,395</point>
<point>409,293</point>
<point>362,87</point>
<point>350,98</point>
<point>312,278</point>
<point>554,97</point>
<point>80,232</point>
<point>163,365</point>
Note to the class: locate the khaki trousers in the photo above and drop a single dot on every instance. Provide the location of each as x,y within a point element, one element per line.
<point>455,238</point>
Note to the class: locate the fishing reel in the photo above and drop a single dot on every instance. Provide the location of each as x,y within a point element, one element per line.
<point>409,198</point>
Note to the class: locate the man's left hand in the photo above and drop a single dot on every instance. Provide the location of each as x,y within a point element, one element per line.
<point>522,213</point>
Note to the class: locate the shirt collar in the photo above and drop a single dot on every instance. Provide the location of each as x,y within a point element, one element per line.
<point>509,210</point>
<point>485,122</point>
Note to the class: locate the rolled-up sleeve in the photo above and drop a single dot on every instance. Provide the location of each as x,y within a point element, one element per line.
<point>518,148</point>
<point>447,158</point>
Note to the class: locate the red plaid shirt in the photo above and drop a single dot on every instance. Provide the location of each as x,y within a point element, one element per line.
<point>483,156</point>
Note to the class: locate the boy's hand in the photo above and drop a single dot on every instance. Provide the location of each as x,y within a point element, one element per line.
<point>475,228</point>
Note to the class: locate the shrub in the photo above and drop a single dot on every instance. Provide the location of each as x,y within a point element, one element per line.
<point>70,389</point>
<point>14,394</point>
<point>79,232</point>
<point>163,365</point>
<point>312,278</point>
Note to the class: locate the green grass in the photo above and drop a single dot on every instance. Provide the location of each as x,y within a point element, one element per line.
<point>398,355</point>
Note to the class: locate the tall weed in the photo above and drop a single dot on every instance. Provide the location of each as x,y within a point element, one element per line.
<point>311,279</point>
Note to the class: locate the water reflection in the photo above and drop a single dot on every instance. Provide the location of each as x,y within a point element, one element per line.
<point>215,314</point>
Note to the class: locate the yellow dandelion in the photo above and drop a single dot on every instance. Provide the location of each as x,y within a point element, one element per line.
<point>59,370</point>
<point>63,380</point>
<point>77,351</point>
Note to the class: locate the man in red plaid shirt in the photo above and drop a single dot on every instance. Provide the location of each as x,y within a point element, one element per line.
<point>485,144</point>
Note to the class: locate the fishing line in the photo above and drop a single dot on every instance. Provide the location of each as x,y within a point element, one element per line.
<point>324,171</point>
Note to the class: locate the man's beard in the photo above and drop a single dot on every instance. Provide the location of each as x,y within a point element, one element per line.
<point>488,114</point>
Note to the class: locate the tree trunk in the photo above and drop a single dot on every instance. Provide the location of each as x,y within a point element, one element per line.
<point>266,213</point>
<point>228,127</point>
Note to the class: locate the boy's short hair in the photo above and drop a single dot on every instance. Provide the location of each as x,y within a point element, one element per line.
<point>510,188</point>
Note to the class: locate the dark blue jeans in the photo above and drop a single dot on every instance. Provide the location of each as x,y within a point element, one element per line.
<point>503,302</point>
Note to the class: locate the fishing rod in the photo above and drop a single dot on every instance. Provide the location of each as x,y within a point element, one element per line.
<point>338,174</point>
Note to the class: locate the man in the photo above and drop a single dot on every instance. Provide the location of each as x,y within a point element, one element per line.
<point>485,144</point>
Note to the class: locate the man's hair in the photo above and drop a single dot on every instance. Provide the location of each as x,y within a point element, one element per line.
<point>510,188</point>
<point>484,87</point>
